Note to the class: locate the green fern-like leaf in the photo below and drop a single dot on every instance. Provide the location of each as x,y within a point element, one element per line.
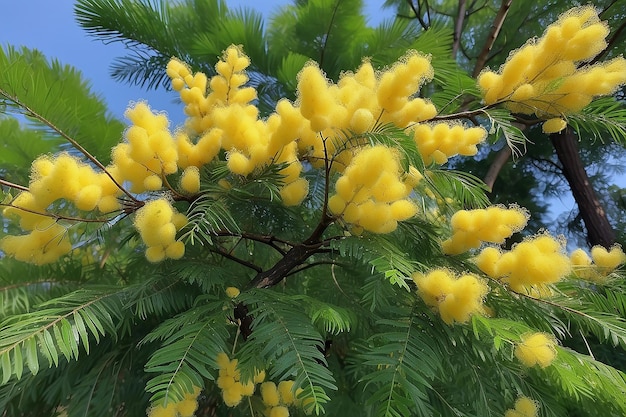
<point>604,116</point>
<point>49,94</point>
<point>190,344</point>
<point>285,336</point>
<point>56,329</point>
<point>404,363</point>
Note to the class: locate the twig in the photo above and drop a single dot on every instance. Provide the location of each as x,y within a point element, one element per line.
<point>65,136</point>
<point>496,26</point>
<point>458,27</point>
<point>13,185</point>
<point>236,259</point>
<point>56,216</point>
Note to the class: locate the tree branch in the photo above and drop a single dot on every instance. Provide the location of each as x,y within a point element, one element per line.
<point>496,166</point>
<point>496,26</point>
<point>13,185</point>
<point>68,138</point>
<point>458,27</point>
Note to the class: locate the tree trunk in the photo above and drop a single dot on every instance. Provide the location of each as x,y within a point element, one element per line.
<point>599,230</point>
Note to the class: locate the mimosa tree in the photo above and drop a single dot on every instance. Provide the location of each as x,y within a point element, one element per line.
<point>321,259</point>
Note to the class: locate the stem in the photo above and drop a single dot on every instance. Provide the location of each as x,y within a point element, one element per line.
<point>496,26</point>
<point>458,27</point>
<point>65,136</point>
<point>56,216</point>
<point>496,166</point>
<point>13,185</point>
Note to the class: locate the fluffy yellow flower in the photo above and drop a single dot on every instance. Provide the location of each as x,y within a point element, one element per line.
<point>232,292</point>
<point>524,407</point>
<point>536,349</point>
<point>456,299</point>
<point>270,394</point>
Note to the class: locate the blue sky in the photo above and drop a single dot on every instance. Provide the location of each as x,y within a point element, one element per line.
<point>49,26</point>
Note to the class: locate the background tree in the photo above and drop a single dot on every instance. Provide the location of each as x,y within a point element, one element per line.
<point>485,38</point>
<point>322,259</point>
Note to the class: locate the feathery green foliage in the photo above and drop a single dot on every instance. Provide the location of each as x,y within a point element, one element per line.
<point>282,310</point>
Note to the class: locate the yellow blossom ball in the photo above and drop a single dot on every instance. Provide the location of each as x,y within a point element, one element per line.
<point>238,163</point>
<point>190,180</point>
<point>232,396</point>
<point>155,254</point>
<point>187,407</point>
<point>269,394</point>
<point>232,292</point>
<point>175,250</point>
<point>608,259</point>
<point>88,197</point>
<point>403,209</point>
<point>487,261</point>
<point>159,411</point>
<point>580,258</point>
<point>285,389</point>
<point>536,349</point>
<point>554,125</point>
<point>292,194</point>
<point>526,406</point>
<point>222,360</point>
<point>225,381</point>
<point>279,411</point>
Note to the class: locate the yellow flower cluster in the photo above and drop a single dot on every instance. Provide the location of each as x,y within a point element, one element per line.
<point>222,118</point>
<point>529,265</point>
<point>157,222</point>
<point>184,408</point>
<point>357,103</point>
<point>524,407</point>
<point>278,398</point>
<point>441,141</point>
<point>493,224</point>
<point>150,151</point>
<point>370,195</point>
<point>61,178</point>
<point>229,381</point>
<point>536,349</point>
<point>455,298</point>
<point>545,77</point>
<point>599,265</point>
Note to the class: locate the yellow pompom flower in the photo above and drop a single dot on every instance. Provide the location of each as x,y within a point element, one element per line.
<point>455,299</point>
<point>536,349</point>
<point>608,260</point>
<point>285,389</point>
<point>232,292</point>
<point>163,411</point>
<point>190,180</point>
<point>279,411</point>
<point>532,263</point>
<point>493,224</point>
<point>524,407</point>
<point>546,77</point>
<point>293,193</point>
<point>269,394</point>
<point>554,125</point>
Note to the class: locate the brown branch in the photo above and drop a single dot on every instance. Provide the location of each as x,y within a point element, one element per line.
<point>233,258</point>
<point>13,185</point>
<point>458,27</point>
<point>496,166</point>
<point>56,216</point>
<point>330,26</point>
<point>496,26</point>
